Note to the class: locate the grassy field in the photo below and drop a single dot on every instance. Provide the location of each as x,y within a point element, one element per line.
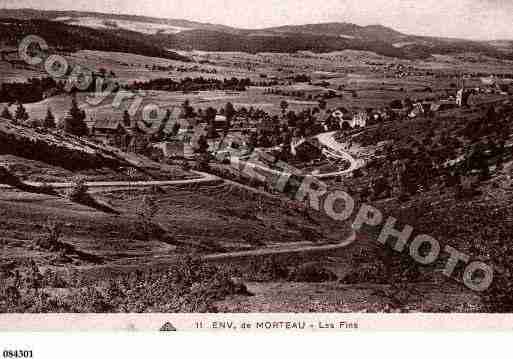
<point>361,77</point>
<point>202,220</point>
<point>101,246</point>
<point>128,68</point>
<point>255,97</point>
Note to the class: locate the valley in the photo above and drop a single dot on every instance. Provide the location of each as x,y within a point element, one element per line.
<point>107,207</point>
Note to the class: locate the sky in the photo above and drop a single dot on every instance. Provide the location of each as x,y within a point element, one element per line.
<point>473,19</point>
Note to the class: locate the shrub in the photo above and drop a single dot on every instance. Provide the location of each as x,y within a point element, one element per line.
<point>368,273</point>
<point>189,285</point>
<point>79,192</point>
<point>253,240</point>
<point>311,273</point>
<point>145,228</point>
<point>9,178</point>
<point>186,166</point>
<point>267,269</point>
<point>53,279</point>
<point>10,299</point>
<point>51,240</point>
<point>396,104</point>
<point>209,245</point>
<point>147,231</point>
<point>33,277</point>
<point>499,297</point>
<point>203,294</point>
<point>89,300</point>
<point>201,164</point>
<point>310,234</point>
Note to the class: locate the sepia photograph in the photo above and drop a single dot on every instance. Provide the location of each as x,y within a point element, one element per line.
<point>221,164</point>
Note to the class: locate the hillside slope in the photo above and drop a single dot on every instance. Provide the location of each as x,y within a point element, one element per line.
<point>41,155</point>
<point>76,17</point>
<point>73,38</point>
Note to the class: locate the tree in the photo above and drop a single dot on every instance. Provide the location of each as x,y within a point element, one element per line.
<point>160,135</point>
<point>21,114</point>
<point>187,110</point>
<point>34,123</point>
<point>408,104</point>
<point>6,114</point>
<point>202,145</point>
<point>175,129</point>
<point>49,121</point>
<point>322,104</point>
<point>284,105</point>
<point>148,209</point>
<point>229,112</point>
<point>126,119</point>
<point>396,104</point>
<point>145,227</point>
<point>210,116</point>
<point>75,123</point>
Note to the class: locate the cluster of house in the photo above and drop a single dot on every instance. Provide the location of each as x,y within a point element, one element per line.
<point>131,137</point>
<point>401,71</point>
<point>345,120</point>
<point>139,136</point>
<point>360,119</point>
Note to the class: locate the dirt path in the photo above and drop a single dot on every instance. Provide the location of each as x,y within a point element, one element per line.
<point>283,250</point>
<point>205,178</point>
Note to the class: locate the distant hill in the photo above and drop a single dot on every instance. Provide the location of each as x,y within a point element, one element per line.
<point>325,37</point>
<point>260,41</point>
<point>347,30</point>
<point>73,38</point>
<point>410,45</point>
<point>77,17</point>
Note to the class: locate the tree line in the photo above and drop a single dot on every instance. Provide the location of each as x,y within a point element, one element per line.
<point>189,84</point>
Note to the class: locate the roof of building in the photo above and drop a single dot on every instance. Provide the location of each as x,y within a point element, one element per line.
<point>175,117</point>
<point>107,124</point>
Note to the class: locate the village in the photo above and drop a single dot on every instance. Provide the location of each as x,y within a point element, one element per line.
<point>185,133</point>
<point>110,207</point>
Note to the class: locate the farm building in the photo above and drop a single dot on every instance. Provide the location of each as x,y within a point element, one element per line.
<point>442,106</point>
<point>109,131</point>
<point>347,120</point>
<point>220,122</point>
<point>107,128</point>
<point>360,119</point>
<point>172,148</point>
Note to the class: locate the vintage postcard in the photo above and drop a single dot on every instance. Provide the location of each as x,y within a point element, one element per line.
<point>219,165</point>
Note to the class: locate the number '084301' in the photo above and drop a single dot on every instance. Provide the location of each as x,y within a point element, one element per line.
<point>17,354</point>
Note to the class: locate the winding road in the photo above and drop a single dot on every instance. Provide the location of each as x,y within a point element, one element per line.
<point>336,150</point>
<point>205,178</point>
<point>285,250</point>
